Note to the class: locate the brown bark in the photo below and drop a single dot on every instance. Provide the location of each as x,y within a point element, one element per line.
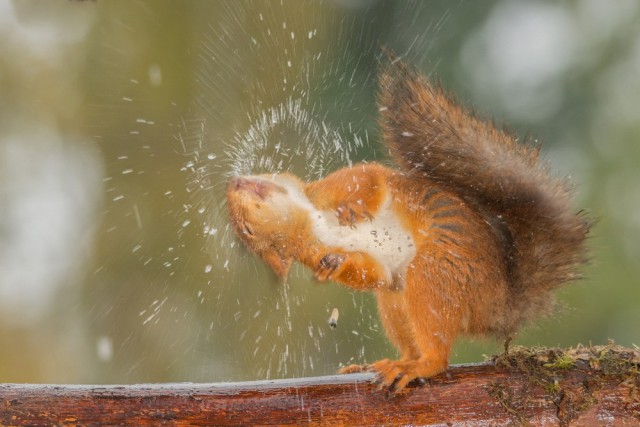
<point>520,389</point>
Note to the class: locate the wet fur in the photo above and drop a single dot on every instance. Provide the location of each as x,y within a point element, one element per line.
<point>486,232</point>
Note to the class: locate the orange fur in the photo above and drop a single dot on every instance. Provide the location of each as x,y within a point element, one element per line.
<point>483,233</point>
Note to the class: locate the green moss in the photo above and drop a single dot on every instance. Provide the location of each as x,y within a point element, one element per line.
<point>562,362</point>
<point>550,368</point>
<point>552,387</point>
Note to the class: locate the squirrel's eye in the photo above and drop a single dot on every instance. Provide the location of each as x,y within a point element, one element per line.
<point>247,230</point>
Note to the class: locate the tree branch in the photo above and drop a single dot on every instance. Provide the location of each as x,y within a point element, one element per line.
<point>582,386</point>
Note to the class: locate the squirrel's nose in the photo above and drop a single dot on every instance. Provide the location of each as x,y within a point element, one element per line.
<point>251,185</point>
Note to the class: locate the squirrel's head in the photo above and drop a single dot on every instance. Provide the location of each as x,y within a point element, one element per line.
<point>267,215</point>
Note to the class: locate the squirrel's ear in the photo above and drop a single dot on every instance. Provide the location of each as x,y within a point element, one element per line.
<point>279,265</point>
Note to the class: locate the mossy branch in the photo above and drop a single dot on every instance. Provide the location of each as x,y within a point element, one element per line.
<point>579,386</point>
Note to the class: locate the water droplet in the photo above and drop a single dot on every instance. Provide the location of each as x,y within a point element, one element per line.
<point>104,348</point>
<point>155,75</point>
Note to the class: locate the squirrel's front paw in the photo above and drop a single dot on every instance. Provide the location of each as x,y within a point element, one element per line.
<point>329,266</point>
<point>350,213</point>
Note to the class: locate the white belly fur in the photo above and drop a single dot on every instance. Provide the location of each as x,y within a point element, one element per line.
<point>384,238</point>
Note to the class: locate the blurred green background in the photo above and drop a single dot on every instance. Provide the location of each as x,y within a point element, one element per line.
<point>120,122</point>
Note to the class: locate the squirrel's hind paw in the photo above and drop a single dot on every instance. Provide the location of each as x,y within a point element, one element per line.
<point>397,374</point>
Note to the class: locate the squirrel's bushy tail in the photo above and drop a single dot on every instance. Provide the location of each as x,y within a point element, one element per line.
<point>432,136</point>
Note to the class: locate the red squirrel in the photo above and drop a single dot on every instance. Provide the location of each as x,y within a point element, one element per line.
<point>469,236</point>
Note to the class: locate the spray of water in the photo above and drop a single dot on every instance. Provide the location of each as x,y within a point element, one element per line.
<point>308,110</point>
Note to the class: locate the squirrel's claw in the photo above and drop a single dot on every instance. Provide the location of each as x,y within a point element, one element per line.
<point>389,374</point>
<point>350,213</point>
<point>328,265</point>
<point>353,369</point>
<point>396,375</point>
